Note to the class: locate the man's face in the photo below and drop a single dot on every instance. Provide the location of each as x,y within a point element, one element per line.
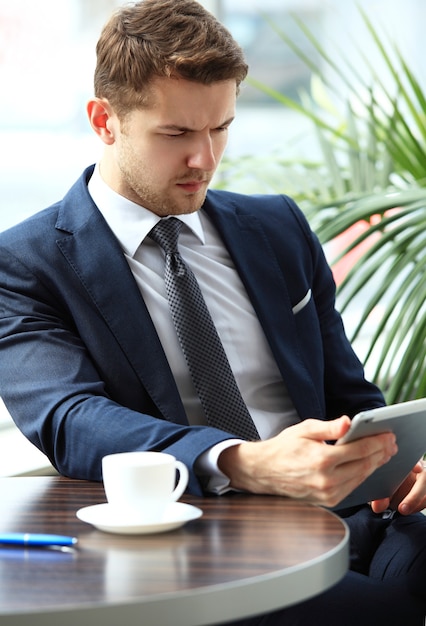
<point>164,156</point>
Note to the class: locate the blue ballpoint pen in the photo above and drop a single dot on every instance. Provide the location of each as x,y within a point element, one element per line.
<point>35,539</point>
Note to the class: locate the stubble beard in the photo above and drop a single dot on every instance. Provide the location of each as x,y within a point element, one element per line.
<point>143,191</point>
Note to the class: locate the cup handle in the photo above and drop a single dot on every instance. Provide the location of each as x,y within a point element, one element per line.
<point>182,482</point>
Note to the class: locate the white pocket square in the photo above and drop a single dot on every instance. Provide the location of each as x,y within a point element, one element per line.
<point>304,301</point>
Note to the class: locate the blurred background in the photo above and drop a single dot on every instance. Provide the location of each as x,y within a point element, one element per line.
<point>47,58</point>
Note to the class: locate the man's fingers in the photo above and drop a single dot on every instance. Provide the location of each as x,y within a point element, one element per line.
<point>321,430</point>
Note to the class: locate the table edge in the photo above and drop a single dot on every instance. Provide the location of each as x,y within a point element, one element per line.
<point>211,604</point>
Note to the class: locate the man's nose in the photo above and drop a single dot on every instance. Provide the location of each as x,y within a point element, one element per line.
<point>202,155</point>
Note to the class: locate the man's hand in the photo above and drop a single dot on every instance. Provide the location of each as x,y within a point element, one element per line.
<point>299,464</point>
<point>410,497</point>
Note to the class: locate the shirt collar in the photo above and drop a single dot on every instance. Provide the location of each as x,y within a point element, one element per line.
<point>129,221</point>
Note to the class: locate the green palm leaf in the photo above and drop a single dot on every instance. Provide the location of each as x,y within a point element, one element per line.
<point>371,173</point>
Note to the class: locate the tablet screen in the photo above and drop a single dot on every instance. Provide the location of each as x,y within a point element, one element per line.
<point>408,421</point>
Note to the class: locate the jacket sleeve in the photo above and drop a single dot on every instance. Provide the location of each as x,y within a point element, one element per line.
<point>76,404</point>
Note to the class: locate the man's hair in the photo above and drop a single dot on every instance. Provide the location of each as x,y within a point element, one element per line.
<point>162,38</point>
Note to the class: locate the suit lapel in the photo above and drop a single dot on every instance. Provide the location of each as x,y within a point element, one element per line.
<point>257,266</point>
<point>108,281</point>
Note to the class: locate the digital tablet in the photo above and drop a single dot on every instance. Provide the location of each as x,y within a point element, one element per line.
<point>408,421</point>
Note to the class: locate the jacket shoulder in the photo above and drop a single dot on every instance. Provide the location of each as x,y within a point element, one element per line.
<point>250,202</point>
<point>45,223</point>
<point>272,210</point>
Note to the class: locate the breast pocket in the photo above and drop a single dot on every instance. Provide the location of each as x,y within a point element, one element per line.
<point>309,335</point>
<point>303,302</point>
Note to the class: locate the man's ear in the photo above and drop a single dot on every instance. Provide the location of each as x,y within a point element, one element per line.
<point>102,119</point>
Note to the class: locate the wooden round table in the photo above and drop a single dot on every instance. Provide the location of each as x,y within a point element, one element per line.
<point>246,555</point>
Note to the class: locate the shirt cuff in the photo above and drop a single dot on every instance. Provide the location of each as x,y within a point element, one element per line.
<point>207,468</point>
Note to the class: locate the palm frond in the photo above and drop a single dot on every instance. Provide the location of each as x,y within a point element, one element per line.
<point>370,176</point>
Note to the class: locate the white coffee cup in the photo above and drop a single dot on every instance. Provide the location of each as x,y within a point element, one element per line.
<point>143,484</point>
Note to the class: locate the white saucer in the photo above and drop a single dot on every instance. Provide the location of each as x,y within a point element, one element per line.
<point>110,520</point>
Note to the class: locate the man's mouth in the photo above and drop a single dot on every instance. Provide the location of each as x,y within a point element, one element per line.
<point>192,186</point>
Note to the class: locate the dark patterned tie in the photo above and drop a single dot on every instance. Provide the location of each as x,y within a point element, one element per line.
<point>209,367</point>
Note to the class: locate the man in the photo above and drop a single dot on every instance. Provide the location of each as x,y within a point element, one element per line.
<point>91,360</point>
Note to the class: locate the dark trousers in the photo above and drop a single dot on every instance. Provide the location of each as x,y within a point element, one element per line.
<point>385,585</point>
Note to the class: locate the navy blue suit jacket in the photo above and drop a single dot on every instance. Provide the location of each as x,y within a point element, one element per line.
<point>82,370</point>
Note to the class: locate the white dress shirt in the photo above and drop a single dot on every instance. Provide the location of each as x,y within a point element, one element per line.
<point>245,344</point>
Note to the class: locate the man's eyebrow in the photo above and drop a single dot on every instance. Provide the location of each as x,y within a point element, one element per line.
<point>181,129</point>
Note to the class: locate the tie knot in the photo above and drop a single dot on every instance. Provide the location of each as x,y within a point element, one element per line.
<point>166,234</point>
